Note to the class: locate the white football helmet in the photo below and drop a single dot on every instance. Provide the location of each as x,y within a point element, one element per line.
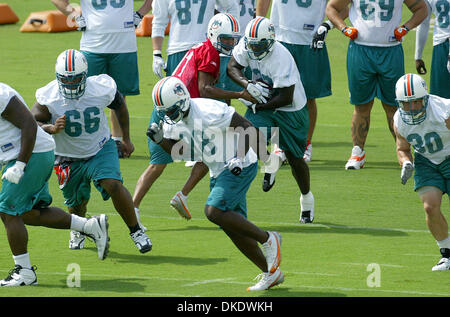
<point>259,38</point>
<point>223,32</point>
<point>171,99</point>
<point>71,73</point>
<point>408,88</point>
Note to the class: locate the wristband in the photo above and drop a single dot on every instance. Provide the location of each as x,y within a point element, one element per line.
<point>328,22</point>
<point>157,53</point>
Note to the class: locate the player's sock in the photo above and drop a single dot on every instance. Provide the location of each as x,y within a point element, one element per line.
<point>23,260</point>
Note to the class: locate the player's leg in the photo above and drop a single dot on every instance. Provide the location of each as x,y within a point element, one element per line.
<point>390,111</point>
<point>312,110</point>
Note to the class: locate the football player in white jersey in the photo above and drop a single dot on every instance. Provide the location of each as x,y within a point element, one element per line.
<point>375,35</point>
<point>296,25</point>
<point>27,153</point>
<point>232,171</point>
<point>71,108</point>
<point>440,62</point>
<point>273,66</point>
<point>188,26</point>
<point>109,43</point>
<point>423,122</point>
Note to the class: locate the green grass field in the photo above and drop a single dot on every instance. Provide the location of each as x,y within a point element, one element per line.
<point>362,217</point>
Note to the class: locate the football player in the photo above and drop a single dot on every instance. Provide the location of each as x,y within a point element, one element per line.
<point>272,64</point>
<point>71,108</point>
<point>376,35</point>
<point>27,153</point>
<point>231,174</point>
<point>440,62</point>
<point>199,70</point>
<point>423,122</point>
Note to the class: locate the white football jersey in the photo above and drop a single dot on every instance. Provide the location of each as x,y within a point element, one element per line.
<point>376,21</point>
<point>10,135</point>
<point>109,26</point>
<point>431,138</point>
<point>87,127</point>
<point>441,11</point>
<point>277,69</point>
<point>206,131</point>
<point>188,20</point>
<point>296,21</point>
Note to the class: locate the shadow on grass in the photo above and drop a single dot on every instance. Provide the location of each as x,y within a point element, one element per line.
<point>110,286</point>
<point>282,291</point>
<point>328,228</point>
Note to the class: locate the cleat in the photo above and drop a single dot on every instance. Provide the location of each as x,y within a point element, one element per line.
<point>20,276</point>
<point>119,148</point>
<point>272,251</point>
<point>356,160</point>
<point>142,241</point>
<point>307,208</point>
<point>180,204</point>
<point>443,265</point>
<point>308,153</point>
<point>97,229</point>
<point>138,217</point>
<point>268,181</point>
<point>267,280</point>
<point>77,240</point>
<point>190,163</point>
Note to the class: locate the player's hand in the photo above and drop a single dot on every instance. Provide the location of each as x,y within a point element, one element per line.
<point>259,91</point>
<point>350,32</point>
<point>137,18</point>
<point>319,37</point>
<point>155,132</point>
<point>81,23</point>
<point>248,104</point>
<point>234,165</point>
<point>59,125</point>
<point>127,148</point>
<point>407,171</point>
<point>247,97</point>
<point>15,172</point>
<point>158,65</point>
<point>420,67</point>
<point>400,32</point>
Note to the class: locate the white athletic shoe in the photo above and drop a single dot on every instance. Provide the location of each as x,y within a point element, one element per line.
<point>138,217</point>
<point>307,156</point>
<point>77,240</point>
<point>272,251</point>
<point>443,265</point>
<point>267,280</point>
<point>190,163</point>
<point>180,204</point>
<point>142,241</point>
<point>356,160</point>
<point>19,276</point>
<point>97,228</point>
<point>306,209</point>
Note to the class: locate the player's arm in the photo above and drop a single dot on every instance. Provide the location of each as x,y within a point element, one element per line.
<point>120,108</point>
<point>159,24</point>
<point>207,89</point>
<point>145,8</point>
<point>64,6</point>
<point>282,97</point>
<point>262,7</point>
<point>43,118</point>
<point>234,71</point>
<point>421,40</point>
<point>419,12</point>
<point>18,114</point>
<point>337,12</point>
<point>403,148</point>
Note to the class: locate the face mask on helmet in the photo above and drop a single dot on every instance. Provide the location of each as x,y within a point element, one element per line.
<point>171,99</point>
<point>259,38</point>
<point>223,32</point>
<point>71,73</point>
<point>412,98</point>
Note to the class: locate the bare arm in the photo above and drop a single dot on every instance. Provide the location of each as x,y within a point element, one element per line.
<point>157,43</point>
<point>262,7</point>
<point>18,114</point>
<point>146,7</point>
<point>123,118</point>
<point>337,12</point>
<point>64,6</point>
<point>43,118</point>
<point>234,71</point>
<point>283,97</point>
<point>403,148</point>
<point>419,11</point>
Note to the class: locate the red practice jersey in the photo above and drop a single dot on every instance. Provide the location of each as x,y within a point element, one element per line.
<point>202,57</point>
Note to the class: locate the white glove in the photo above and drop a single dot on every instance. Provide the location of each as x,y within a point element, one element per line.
<point>15,172</point>
<point>259,91</point>
<point>155,132</point>
<point>407,171</point>
<point>81,22</point>
<point>137,18</point>
<point>319,37</point>
<point>248,104</point>
<point>234,165</point>
<point>158,64</point>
